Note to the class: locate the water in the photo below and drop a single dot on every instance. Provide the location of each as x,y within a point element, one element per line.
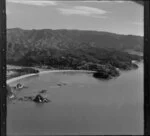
<point>83,105</point>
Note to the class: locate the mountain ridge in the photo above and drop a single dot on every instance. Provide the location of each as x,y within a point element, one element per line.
<point>98,39</point>
<point>72,30</point>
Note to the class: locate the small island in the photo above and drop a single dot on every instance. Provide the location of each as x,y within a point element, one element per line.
<point>106,72</point>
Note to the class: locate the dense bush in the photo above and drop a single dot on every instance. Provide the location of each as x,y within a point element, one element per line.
<point>26,70</point>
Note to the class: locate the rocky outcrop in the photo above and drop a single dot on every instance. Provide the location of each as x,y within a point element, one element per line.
<point>19,86</point>
<point>40,99</point>
<point>10,93</point>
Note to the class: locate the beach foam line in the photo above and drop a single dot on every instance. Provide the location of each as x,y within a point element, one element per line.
<point>52,71</point>
<point>19,77</point>
<point>43,72</point>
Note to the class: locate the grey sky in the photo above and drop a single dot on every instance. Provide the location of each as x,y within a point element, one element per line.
<point>119,17</point>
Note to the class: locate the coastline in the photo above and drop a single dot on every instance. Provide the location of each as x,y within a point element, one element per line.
<point>43,72</point>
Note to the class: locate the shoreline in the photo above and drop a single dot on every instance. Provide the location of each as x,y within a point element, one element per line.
<point>43,72</point>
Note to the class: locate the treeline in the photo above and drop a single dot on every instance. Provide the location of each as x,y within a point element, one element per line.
<point>76,59</point>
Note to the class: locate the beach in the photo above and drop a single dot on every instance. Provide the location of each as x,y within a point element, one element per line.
<point>43,72</point>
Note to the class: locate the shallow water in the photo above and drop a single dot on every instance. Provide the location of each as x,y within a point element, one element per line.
<point>81,105</point>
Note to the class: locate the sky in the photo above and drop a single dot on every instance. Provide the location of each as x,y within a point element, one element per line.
<point>121,17</point>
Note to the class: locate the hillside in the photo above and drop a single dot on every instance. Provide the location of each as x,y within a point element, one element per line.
<point>71,49</point>
<point>65,39</point>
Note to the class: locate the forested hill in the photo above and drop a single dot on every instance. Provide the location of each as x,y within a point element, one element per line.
<point>65,39</point>
<point>69,48</point>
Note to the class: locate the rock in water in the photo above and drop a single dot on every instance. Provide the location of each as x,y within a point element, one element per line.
<point>43,91</point>
<point>19,86</point>
<point>59,84</point>
<point>40,99</point>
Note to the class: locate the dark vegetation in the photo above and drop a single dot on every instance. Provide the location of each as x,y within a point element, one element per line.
<point>22,71</point>
<point>73,49</point>
<point>26,70</point>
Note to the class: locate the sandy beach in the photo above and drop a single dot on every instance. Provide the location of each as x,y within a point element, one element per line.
<point>43,72</point>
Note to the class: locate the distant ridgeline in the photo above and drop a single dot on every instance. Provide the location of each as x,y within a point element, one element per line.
<point>71,49</point>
